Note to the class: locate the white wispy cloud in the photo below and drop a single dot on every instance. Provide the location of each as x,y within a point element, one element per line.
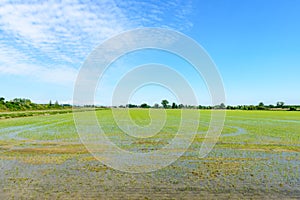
<point>49,40</point>
<point>174,14</point>
<point>62,30</point>
<point>62,75</point>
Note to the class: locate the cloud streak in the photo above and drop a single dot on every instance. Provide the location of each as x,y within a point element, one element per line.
<point>50,40</point>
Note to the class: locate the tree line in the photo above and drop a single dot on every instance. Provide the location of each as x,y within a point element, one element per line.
<point>21,104</point>
<point>261,106</point>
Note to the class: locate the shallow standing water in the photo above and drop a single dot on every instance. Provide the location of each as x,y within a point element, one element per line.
<point>43,157</point>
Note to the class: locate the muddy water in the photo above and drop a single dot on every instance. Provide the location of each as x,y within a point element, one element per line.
<point>223,174</point>
<point>28,170</point>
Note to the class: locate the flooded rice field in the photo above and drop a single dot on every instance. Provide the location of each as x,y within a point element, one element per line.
<point>256,157</point>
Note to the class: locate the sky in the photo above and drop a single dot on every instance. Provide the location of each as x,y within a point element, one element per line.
<point>255,45</point>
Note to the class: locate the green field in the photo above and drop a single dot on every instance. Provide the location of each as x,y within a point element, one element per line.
<point>257,156</point>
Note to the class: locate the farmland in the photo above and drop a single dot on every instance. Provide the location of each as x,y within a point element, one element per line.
<point>257,156</point>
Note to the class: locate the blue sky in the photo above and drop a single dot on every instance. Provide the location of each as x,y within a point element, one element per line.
<point>255,45</point>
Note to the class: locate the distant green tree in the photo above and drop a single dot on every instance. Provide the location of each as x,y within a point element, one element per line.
<point>279,104</point>
<point>174,105</point>
<point>222,106</point>
<point>50,103</point>
<point>144,105</point>
<point>165,103</point>
<point>271,106</point>
<point>2,103</point>
<point>251,107</point>
<point>27,101</point>
<point>131,106</point>
<point>56,104</point>
<point>230,107</point>
<point>17,104</point>
<point>261,106</point>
